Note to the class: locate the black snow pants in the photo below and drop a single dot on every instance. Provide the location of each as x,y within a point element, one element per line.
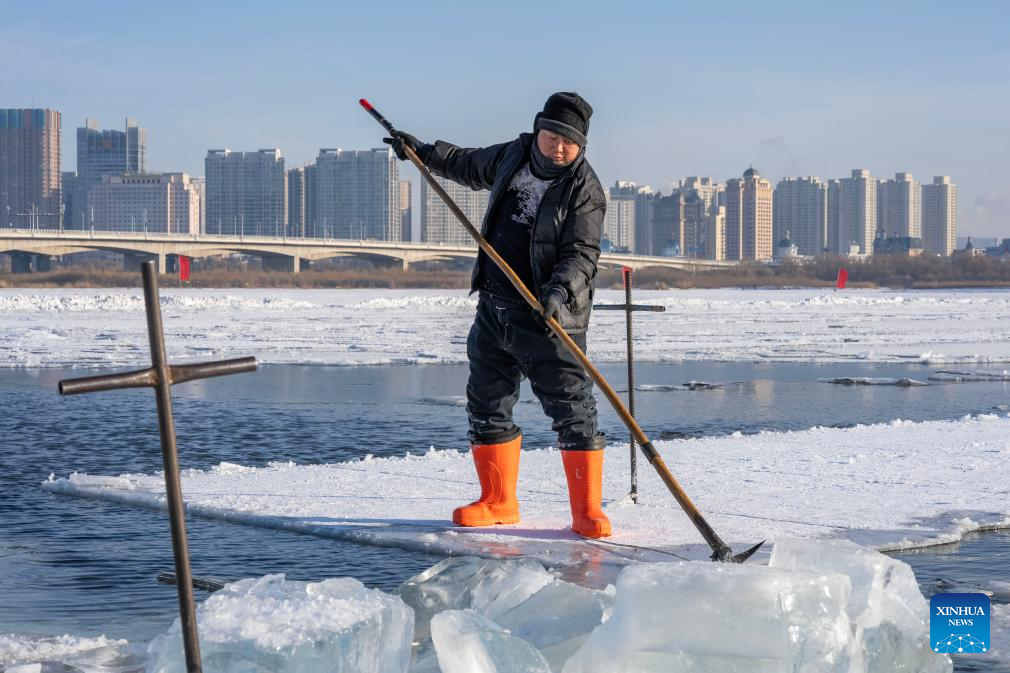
<point>509,341</point>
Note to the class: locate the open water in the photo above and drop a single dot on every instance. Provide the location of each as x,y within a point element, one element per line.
<point>86,568</point>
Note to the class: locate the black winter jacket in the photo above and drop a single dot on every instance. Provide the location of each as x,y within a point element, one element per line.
<point>565,244</point>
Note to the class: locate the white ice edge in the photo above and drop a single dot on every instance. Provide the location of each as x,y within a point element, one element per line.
<point>892,486</point>
<point>106,328</point>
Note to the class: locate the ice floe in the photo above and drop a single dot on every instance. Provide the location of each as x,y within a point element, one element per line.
<point>350,327</point>
<point>893,485</point>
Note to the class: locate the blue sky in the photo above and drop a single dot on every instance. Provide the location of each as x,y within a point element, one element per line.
<point>707,89</point>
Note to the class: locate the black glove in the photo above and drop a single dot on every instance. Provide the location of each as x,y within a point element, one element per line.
<point>553,299</point>
<point>400,140</point>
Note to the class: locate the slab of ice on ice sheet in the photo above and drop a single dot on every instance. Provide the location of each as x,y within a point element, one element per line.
<point>721,618</point>
<point>488,586</point>
<point>468,642</point>
<point>519,595</point>
<point>890,617</point>
<point>557,619</point>
<point>271,624</point>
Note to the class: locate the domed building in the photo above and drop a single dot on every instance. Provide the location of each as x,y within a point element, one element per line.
<point>786,248</point>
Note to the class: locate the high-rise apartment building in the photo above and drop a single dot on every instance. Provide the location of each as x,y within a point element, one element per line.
<point>296,202</point>
<point>146,202</point>
<point>749,217</point>
<point>715,234</point>
<point>701,209</point>
<point>706,189</point>
<point>644,197</point>
<point>246,193</point>
<point>696,225</point>
<point>801,211</point>
<point>857,213</point>
<point>101,153</point>
<point>939,216</point>
<point>71,199</point>
<point>619,224</point>
<point>405,210</point>
<point>313,228</point>
<point>199,185</point>
<point>358,194</point>
<point>30,178</point>
<point>668,224</point>
<point>834,218</point>
<point>899,206</point>
<point>439,225</point>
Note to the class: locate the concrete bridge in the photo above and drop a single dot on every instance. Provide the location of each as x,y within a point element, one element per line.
<point>35,248</point>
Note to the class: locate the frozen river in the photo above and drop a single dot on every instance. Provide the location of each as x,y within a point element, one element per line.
<point>775,364</point>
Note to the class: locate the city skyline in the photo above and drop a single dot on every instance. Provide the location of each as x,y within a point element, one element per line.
<point>794,90</point>
<point>358,191</point>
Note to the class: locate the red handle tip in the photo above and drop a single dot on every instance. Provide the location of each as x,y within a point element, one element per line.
<point>365,104</point>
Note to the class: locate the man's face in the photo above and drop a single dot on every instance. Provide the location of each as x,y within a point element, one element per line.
<point>557,148</point>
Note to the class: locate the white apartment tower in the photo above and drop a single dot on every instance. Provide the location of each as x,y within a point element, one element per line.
<point>358,194</point>
<point>439,225</point>
<point>644,198</point>
<point>899,211</point>
<point>246,193</point>
<point>619,223</point>
<point>857,213</point>
<point>939,216</point>
<point>801,209</point>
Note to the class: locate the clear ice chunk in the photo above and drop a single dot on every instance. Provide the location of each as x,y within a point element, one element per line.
<point>467,642</point>
<point>488,586</point>
<point>721,618</point>
<point>271,624</point>
<point>557,619</point>
<point>889,615</point>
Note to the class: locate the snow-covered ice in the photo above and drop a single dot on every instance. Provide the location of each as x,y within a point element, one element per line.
<point>26,653</point>
<point>44,328</point>
<point>284,626</point>
<point>893,485</point>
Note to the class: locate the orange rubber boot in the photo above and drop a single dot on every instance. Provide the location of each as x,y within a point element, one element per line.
<point>584,470</point>
<point>498,472</point>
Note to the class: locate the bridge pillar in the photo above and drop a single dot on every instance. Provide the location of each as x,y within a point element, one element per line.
<point>406,264</point>
<point>43,263</point>
<point>21,262</point>
<point>133,260</point>
<point>284,264</point>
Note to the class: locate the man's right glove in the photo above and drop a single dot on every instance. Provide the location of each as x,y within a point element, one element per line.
<point>400,140</point>
<point>553,300</point>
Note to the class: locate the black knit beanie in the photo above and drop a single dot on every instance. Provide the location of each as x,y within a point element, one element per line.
<point>566,113</point>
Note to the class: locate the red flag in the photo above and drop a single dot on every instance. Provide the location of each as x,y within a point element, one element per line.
<point>183,267</point>
<point>843,278</point>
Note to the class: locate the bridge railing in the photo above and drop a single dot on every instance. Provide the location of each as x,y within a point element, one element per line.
<point>104,234</point>
<point>374,244</point>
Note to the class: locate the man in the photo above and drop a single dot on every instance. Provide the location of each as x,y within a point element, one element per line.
<point>545,218</point>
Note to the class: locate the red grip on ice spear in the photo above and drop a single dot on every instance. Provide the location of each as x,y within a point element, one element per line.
<point>378,117</point>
